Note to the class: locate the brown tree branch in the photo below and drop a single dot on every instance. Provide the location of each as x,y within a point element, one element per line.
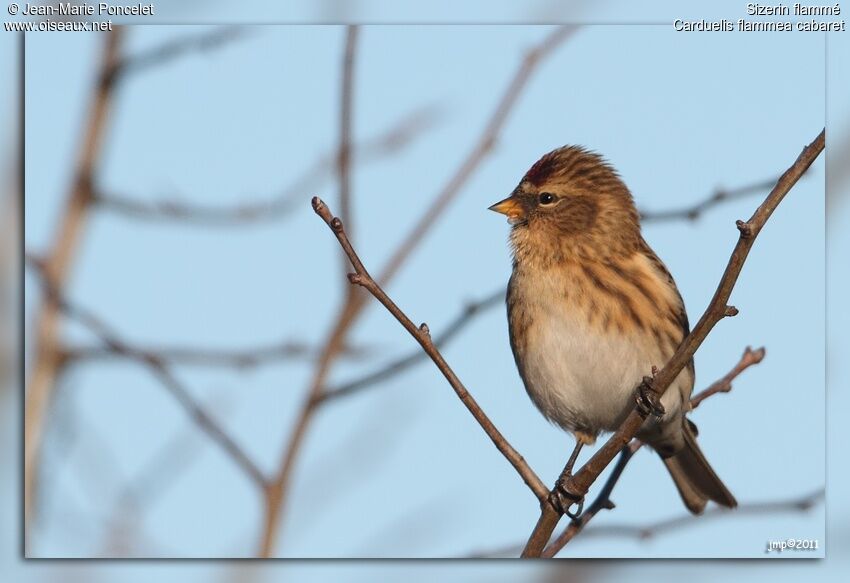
<point>278,206</point>
<point>578,484</point>
<point>58,264</point>
<point>422,335</point>
<point>351,308</point>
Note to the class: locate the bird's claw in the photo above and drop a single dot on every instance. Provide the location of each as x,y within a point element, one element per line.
<point>563,500</point>
<point>647,401</point>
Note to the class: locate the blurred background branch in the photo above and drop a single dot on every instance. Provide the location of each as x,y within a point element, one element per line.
<point>719,196</point>
<point>57,265</point>
<point>398,366</point>
<point>799,504</point>
<point>159,370</point>
<point>239,358</point>
<point>164,54</point>
<point>379,147</point>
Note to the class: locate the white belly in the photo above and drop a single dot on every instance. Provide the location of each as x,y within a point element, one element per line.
<point>582,378</point>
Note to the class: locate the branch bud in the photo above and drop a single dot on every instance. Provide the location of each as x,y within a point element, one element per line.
<point>355,279</point>
<point>745,228</point>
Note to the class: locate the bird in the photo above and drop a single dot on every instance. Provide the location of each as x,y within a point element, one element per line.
<point>592,310</point>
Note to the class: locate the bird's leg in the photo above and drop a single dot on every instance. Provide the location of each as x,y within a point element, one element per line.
<point>568,469</point>
<point>561,498</point>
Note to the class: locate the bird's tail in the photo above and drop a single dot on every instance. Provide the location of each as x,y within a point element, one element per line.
<point>695,479</point>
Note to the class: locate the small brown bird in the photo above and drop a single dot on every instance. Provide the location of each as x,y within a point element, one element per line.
<point>591,309</point>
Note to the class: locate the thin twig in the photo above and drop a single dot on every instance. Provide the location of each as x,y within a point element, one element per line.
<point>277,492</point>
<point>280,205</point>
<point>422,335</point>
<point>396,367</point>
<point>58,264</point>
<point>724,385</point>
<point>578,484</point>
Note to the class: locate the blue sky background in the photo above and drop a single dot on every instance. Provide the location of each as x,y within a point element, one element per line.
<point>228,126</point>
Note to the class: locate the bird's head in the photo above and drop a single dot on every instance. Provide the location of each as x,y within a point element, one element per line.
<point>571,196</point>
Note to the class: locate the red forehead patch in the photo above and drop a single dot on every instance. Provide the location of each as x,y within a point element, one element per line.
<point>541,170</point>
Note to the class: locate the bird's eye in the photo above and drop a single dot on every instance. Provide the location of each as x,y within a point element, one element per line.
<point>547,198</point>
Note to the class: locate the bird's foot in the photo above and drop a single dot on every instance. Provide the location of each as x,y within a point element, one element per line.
<point>647,401</point>
<point>563,500</point>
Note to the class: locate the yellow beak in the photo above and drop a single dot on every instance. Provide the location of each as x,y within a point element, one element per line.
<point>509,207</point>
